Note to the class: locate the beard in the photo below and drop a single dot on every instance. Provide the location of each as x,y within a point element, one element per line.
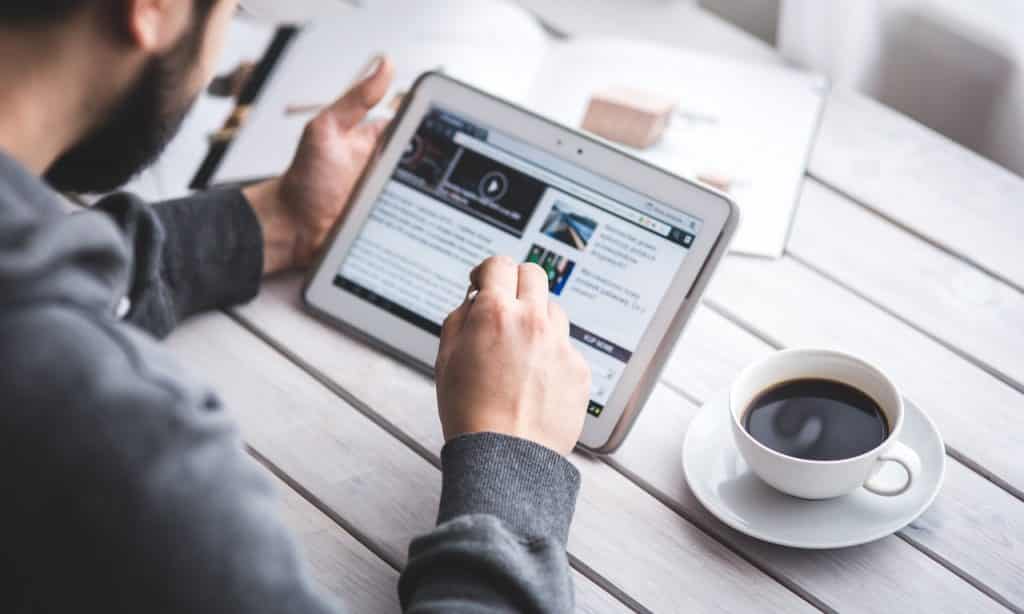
<point>137,129</point>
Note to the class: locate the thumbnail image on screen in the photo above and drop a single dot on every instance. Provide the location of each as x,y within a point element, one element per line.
<point>568,226</point>
<point>558,268</point>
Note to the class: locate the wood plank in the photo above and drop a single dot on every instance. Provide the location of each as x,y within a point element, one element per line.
<point>711,352</point>
<point>370,481</point>
<point>338,564</point>
<point>956,303</point>
<point>922,180</point>
<point>900,577</point>
<point>620,532</point>
<point>979,416</point>
<point>973,526</point>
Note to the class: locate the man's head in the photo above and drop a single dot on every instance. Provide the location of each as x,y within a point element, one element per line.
<point>162,54</point>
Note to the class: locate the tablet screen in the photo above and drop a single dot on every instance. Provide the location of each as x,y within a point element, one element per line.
<point>463,192</point>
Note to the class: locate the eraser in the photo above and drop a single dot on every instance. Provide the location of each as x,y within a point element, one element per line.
<point>718,181</point>
<point>629,116</point>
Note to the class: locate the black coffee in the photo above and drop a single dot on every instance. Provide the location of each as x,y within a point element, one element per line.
<point>816,419</point>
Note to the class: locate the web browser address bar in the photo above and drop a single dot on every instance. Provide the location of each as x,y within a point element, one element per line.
<point>486,149</point>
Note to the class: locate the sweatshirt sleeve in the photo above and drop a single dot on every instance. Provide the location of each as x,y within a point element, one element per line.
<point>189,255</point>
<point>127,485</point>
<point>500,544</point>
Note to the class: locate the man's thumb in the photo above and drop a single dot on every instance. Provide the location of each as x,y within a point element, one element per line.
<point>349,110</point>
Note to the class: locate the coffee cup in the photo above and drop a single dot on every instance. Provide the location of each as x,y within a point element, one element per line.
<point>818,424</point>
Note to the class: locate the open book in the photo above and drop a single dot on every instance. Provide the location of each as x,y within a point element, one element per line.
<point>752,126</point>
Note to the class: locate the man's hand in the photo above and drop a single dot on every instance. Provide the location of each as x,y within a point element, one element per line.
<point>297,210</point>
<point>506,365</point>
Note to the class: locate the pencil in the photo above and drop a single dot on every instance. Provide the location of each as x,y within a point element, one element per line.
<point>303,109</point>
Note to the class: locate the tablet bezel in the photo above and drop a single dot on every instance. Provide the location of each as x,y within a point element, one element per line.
<point>717,212</point>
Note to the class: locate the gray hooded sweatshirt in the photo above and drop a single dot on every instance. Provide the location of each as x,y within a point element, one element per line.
<point>125,485</point>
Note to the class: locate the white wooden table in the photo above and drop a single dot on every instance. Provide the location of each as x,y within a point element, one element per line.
<point>906,249</point>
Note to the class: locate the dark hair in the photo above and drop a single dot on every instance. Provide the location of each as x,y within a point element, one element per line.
<point>22,12</point>
<point>38,11</point>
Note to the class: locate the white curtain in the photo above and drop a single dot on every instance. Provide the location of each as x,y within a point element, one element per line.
<point>955,65</point>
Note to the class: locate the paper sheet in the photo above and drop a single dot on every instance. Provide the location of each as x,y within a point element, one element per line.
<point>493,45</point>
<point>754,124</point>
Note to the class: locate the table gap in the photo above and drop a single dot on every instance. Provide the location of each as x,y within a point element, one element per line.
<point>904,226</point>
<point>977,362</point>
<point>556,33</point>
<point>674,506</point>
<point>676,388</point>
<point>324,547</point>
<point>338,391</point>
<point>963,575</point>
<point>368,542</point>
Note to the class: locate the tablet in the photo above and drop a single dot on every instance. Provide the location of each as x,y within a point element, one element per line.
<point>461,176</point>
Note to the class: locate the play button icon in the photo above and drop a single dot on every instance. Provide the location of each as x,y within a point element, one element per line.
<point>493,186</point>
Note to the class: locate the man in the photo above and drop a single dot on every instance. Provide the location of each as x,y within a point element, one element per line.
<point>125,486</point>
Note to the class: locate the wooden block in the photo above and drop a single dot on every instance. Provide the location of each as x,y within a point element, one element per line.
<point>719,181</point>
<point>632,117</point>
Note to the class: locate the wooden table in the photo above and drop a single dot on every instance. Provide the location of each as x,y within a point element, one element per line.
<point>906,250</point>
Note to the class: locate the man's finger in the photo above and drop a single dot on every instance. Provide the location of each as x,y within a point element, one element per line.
<point>349,110</point>
<point>497,274</point>
<point>533,284</point>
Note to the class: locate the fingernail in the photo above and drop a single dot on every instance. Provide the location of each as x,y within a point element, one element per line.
<point>372,67</point>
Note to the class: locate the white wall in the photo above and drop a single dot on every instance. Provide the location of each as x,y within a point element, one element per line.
<point>759,17</point>
<point>956,66</point>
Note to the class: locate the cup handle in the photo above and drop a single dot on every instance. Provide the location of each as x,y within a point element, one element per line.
<point>905,457</point>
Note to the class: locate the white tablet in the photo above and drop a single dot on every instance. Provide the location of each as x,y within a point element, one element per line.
<point>462,176</point>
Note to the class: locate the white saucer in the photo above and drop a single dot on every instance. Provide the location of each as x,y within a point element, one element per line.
<point>721,481</point>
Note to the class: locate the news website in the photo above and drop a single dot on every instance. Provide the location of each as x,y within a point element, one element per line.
<point>462,193</point>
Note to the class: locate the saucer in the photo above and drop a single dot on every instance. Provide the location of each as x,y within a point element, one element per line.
<point>722,482</point>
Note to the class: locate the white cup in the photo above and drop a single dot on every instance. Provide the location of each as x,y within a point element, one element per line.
<point>822,479</point>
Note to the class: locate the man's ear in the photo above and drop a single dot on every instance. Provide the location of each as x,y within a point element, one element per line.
<point>153,26</point>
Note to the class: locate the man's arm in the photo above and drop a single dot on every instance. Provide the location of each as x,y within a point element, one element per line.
<point>189,255</point>
<point>512,395</point>
<point>506,506</point>
<point>211,249</point>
